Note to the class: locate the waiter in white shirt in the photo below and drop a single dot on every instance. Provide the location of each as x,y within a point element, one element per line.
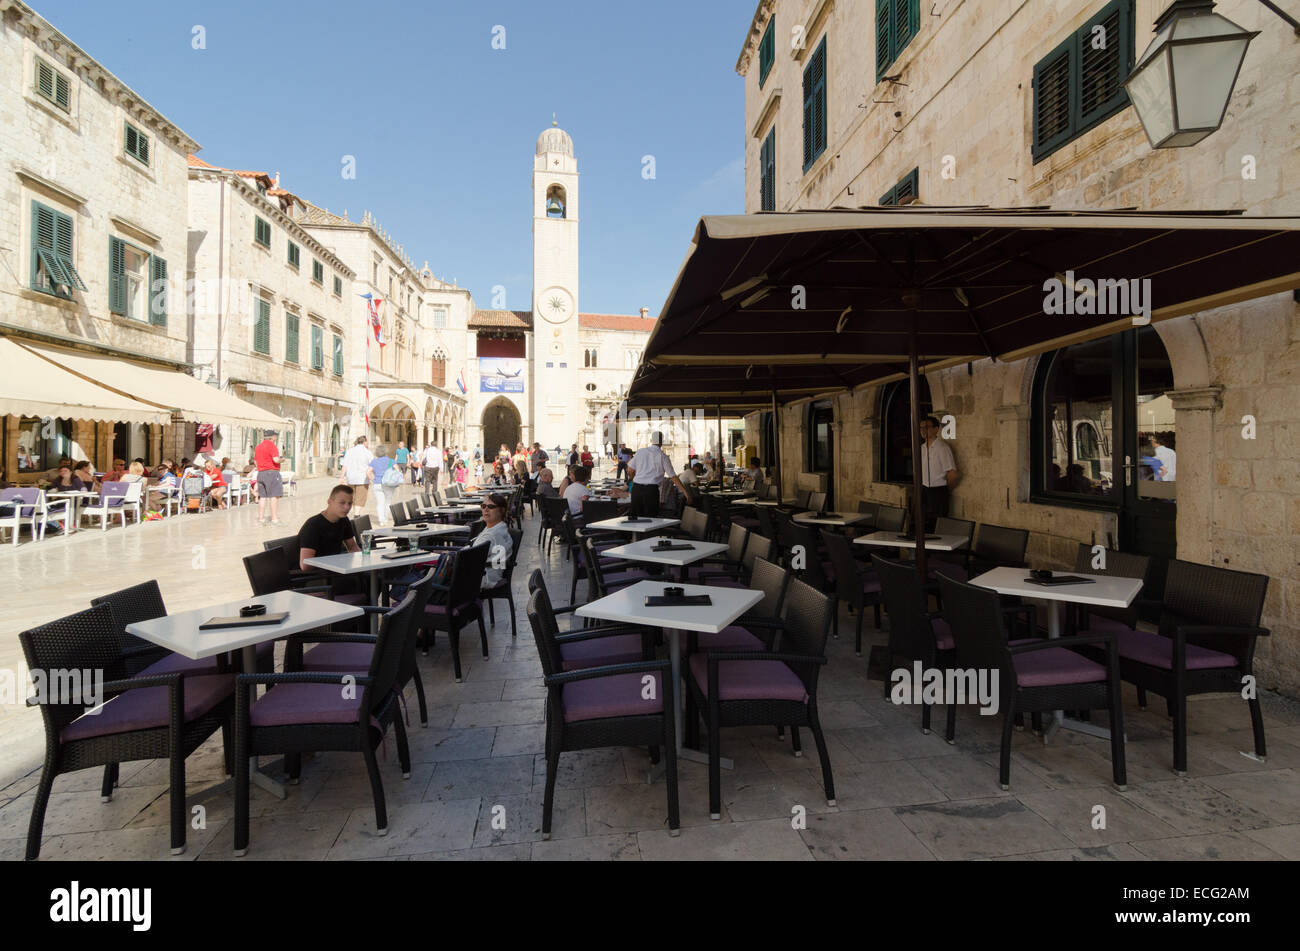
<point>938,471</point>
<point>650,467</point>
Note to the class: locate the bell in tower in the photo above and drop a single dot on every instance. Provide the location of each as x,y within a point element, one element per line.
<point>555,202</point>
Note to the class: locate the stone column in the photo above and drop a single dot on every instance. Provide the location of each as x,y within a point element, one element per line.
<point>1012,445</point>
<point>1195,408</point>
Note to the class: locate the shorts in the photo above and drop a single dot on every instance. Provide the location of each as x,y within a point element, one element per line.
<point>359,495</point>
<point>269,485</point>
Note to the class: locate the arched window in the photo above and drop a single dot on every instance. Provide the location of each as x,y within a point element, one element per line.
<point>556,202</point>
<point>336,441</point>
<point>897,421</point>
<point>589,357</point>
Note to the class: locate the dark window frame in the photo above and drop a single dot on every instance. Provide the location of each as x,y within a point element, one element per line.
<point>767,52</point>
<point>908,186</point>
<point>815,95</point>
<point>899,390</point>
<point>890,39</point>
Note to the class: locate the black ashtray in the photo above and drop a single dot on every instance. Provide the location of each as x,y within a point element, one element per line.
<point>421,524</point>
<point>252,610</point>
<point>1040,574</point>
<point>674,592</point>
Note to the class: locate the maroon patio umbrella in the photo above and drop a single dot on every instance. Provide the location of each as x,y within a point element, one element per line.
<point>815,302</point>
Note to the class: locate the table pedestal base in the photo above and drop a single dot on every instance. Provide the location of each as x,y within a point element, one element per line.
<point>1059,720</point>
<point>683,752</point>
<point>255,775</point>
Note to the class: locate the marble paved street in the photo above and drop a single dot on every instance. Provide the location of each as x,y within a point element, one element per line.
<point>901,794</point>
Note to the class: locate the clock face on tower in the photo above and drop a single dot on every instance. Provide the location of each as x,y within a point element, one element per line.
<point>555,304</point>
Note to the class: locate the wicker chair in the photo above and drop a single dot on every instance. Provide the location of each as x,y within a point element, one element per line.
<point>1208,628</point>
<point>553,513</point>
<point>728,563</point>
<point>756,547</point>
<point>307,712</point>
<point>598,511</point>
<point>817,502</point>
<point>914,631</point>
<point>160,716</point>
<point>599,707</point>
<point>603,574</point>
<point>594,645</point>
<point>779,688</point>
<point>890,518</point>
<point>757,628</point>
<point>457,603</point>
<point>1033,675</point>
<point>853,586</point>
<point>339,650</point>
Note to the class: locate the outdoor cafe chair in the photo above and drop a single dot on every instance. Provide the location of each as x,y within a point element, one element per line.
<point>594,644</point>
<point>599,707</point>
<point>604,575</point>
<point>766,527</point>
<point>890,518</point>
<point>456,603</point>
<point>360,525</point>
<point>1209,624</point>
<point>111,502</point>
<point>169,497</point>
<point>29,506</point>
<point>1116,564</point>
<point>756,547</point>
<point>270,571</point>
<point>598,511</point>
<point>817,502</point>
<point>915,632</point>
<point>504,589</point>
<point>757,628</point>
<point>453,491</point>
<point>159,716</point>
<point>759,688</point>
<point>307,712</point>
<point>853,585</point>
<point>728,563</point>
<point>338,650</point>
<point>944,525</point>
<point>1034,675</point>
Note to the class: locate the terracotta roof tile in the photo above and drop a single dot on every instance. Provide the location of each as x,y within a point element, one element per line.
<point>502,319</point>
<point>616,322</point>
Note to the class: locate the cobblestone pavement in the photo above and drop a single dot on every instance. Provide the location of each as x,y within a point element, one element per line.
<point>901,794</point>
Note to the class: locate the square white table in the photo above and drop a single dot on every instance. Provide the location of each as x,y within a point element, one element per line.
<point>411,531</point>
<point>628,607</point>
<point>450,510</point>
<point>644,551</point>
<point>76,497</point>
<point>844,519</point>
<point>1106,591</point>
<point>620,524</point>
<point>180,633</point>
<point>371,563</point>
<point>892,540</point>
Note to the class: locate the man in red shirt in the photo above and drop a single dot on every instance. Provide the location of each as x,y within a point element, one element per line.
<point>267,457</point>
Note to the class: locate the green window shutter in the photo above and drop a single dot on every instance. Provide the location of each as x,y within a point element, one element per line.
<point>884,37</point>
<point>907,188</point>
<point>45,231</point>
<point>293,254</point>
<point>262,328</point>
<point>137,144</point>
<point>1105,59</point>
<point>63,251</point>
<point>44,79</point>
<point>814,106</point>
<point>809,118</point>
<point>157,291</point>
<point>317,348</point>
<point>116,276</point>
<point>290,338</point>
<point>767,172</point>
<point>890,197</point>
<point>338,355</point>
<point>62,91</point>
<point>766,52</point>
<point>317,272</point>
<point>262,232</point>
<point>338,286</point>
<point>1054,99</point>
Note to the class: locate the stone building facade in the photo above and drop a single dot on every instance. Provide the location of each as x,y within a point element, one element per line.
<point>413,395</point>
<point>269,315</point>
<point>951,122</point>
<point>81,151</point>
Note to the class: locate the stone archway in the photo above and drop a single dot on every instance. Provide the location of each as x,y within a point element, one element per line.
<point>501,424</point>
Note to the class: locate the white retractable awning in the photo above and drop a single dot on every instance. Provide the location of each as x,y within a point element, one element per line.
<point>170,389</point>
<point>32,386</point>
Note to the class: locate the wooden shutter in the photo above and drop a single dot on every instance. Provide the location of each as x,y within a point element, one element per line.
<point>884,37</point>
<point>317,272</point>
<point>63,251</point>
<point>293,254</point>
<point>157,291</point>
<point>317,348</point>
<point>767,172</point>
<point>44,79</point>
<point>819,98</point>
<point>45,244</point>
<point>1053,95</point>
<point>338,355</point>
<point>767,52</point>
<point>338,286</point>
<point>809,119</point>
<point>1102,71</point>
<point>262,328</point>
<point>907,188</point>
<point>290,338</point>
<point>890,197</point>
<point>62,91</point>
<point>116,276</point>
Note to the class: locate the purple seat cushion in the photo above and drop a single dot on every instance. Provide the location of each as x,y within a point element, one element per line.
<point>631,576</point>
<point>146,708</point>
<point>601,651</point>
<point>733,638</point>
<point>615,696</point>
<point>340,655</point>
<point>870,584</point>
<point>178,663</point>
<point>293,704</point>
<point>750,679</point>
<point>942,634</point>
<point>355,599</point>
<point>719,582</point>
<point>1107,625</point>
<point>441,609</point>
<point>1157,651</point>
<point>1055,666</point>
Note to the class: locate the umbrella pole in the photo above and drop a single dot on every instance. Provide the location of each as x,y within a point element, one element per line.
<point>776,448</point>
<point>721,454</point>
<point>918,502</point>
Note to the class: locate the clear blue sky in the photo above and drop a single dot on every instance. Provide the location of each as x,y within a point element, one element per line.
<point>444,127</point>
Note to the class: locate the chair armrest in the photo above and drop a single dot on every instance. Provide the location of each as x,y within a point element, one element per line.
<point>767,624</point>
<point>1193,630</point>
<point>115,687</point>
<point>310,589</point>
<point>593,633</point>
<point>590,673</point>
<point>332,637</point>
<point>1077,640</point>
<point>805,660</point>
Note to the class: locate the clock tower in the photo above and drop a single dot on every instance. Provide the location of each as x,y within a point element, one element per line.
<point>558,406</point>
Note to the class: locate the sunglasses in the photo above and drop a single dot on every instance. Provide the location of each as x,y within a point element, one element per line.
<point>489,505</point>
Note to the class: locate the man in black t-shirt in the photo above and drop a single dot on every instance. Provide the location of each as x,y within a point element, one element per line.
<point>329,532</point>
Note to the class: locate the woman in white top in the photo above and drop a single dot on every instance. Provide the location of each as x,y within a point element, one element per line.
<point>497,535</point>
